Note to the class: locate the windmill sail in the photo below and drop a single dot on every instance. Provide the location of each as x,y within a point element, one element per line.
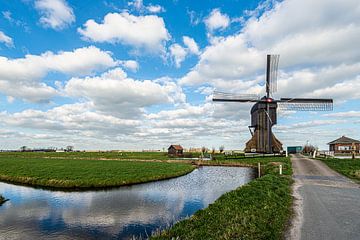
<point>271,73</point>
<point>231,97</point>
<point>305,104</point>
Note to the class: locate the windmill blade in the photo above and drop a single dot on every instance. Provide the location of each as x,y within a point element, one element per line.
<point>231,97</point>
<point>306,104</point>
<point>272,65</point>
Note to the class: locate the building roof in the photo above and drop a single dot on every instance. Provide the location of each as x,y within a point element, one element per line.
<point>344,139</point>
<point>177,147</point>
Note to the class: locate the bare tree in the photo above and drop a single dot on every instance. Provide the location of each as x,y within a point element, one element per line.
<point>308,148</point>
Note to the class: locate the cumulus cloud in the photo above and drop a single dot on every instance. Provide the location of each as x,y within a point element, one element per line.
<point>139,6</point>
<point>191,45</point>
<point>131,65</point>
<point>216,20</point>
<point>21,77</point>
<point>318,56</point>
<point>155,8</point>
<point>178,53</point>
<point>66,121</point>
<point>6,39</point>
<point>55,14</point>
<point>141,32</point>
<point>114,92</point>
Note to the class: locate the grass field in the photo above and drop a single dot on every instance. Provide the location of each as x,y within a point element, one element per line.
<point>74,173</point>
<point>258,210</point>
<point>347,167</point>
<point>88,155</point>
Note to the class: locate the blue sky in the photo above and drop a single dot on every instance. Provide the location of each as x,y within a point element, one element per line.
<point>140,74</point>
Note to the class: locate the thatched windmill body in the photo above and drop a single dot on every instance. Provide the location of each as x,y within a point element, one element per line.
<point>263,113</point>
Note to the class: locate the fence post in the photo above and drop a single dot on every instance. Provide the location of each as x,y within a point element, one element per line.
<point>280,169</point>
<point>259,170</point>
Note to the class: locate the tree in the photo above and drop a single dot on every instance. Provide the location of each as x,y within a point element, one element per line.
<point>23,149</point>
<point>203,150</point>
<point>221,148</point>
<point>308,148</point>
<point>70,148</point>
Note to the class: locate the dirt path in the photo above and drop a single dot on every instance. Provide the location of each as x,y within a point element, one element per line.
<point>327,204</point>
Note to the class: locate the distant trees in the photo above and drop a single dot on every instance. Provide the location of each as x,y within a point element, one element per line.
<point>308,148</point>
<point>69,148</point>
<point>203,150</point>
<point>23,148</point>
<point>221,149</point>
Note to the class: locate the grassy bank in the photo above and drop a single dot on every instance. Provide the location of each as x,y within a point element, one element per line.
<point>258,210</point>
<point>72,173</point>
<point>347,167</point>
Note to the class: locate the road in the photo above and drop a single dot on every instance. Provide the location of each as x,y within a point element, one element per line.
<point>327,204</point>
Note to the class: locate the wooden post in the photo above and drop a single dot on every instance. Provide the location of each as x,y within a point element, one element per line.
<point>259,170</point>
<point>280,169</point>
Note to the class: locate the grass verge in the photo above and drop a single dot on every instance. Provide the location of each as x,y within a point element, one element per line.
<point>347,167</point>
<point>70,173</point>
<point>258,210</point>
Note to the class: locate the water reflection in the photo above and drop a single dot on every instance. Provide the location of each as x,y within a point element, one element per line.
<point>113,214</point>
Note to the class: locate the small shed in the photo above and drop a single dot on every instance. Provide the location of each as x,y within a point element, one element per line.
<point>344,145</point>
<point>175,150</point>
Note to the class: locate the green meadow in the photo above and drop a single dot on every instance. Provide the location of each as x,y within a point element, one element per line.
<point>347,167</point>
<point>80,173</point>
<point>89,155</point>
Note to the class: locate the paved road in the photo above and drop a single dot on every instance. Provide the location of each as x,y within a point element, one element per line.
<point>327,204</point>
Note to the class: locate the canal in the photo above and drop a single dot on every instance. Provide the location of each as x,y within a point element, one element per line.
<point>119,213</point>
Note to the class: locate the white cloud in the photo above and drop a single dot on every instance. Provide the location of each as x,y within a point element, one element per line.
<point>318,52</point>
<point>79,118</point>
<point>32,92</point>
<point>217,20</point>
<point>155,8</point>
<point>6,39</point>
<point>114,92</point>
<point>21,77</point>
<point>131,65</point>
<point>145,32</point>
<point>191,45</point>
<point>349,114</point>
<point>139,6</point>
<point>56,14</point>
<point>228,59</point>
<point>194,18</point>
<point>178,53</point>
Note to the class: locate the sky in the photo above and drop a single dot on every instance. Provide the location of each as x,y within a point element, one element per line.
<point>117,74</point>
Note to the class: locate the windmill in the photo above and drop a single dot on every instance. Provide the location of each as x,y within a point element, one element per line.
<point>263,113</point>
